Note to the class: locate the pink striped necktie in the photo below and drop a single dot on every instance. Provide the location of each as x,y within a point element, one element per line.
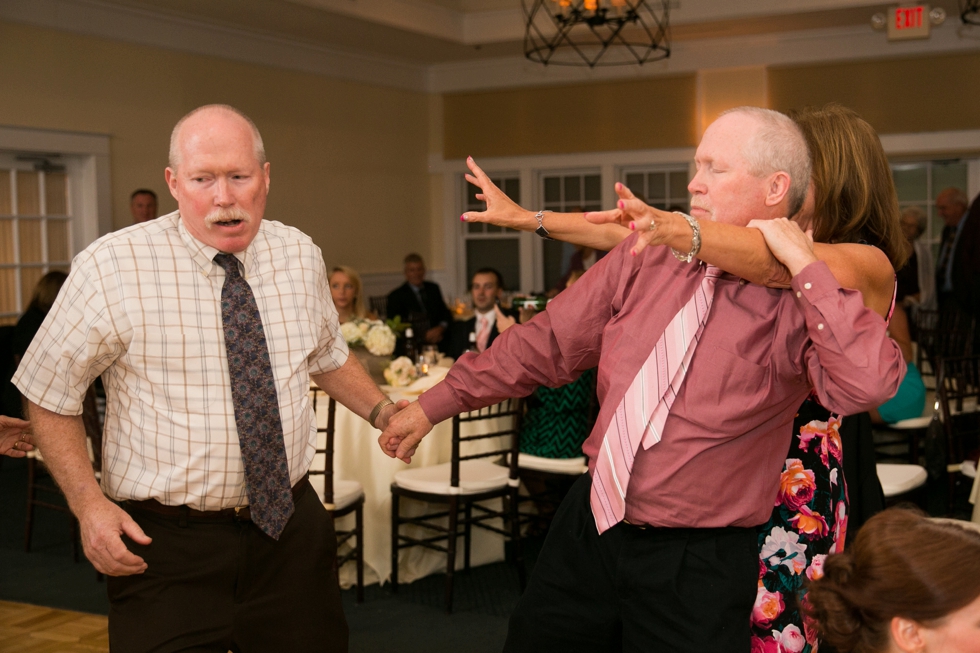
<point>641,414</point>
<point>483,335</point>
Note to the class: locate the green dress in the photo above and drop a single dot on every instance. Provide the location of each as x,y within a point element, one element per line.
<point>558,420</point>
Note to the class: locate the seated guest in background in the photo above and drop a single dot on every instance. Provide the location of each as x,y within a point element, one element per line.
<point>917,278</point>
<point>905,584</point>
<point>910,399</point>
<point>419,302</point>
<point>486,288</point>
<point>143,205</point>
<point>345,289</point>
<point>45,292</point>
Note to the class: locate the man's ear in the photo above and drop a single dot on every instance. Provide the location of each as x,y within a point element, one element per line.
<point>777,188</point>
<point>907,634</point>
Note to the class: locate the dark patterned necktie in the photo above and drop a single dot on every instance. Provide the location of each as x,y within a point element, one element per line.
<point>253,392</point>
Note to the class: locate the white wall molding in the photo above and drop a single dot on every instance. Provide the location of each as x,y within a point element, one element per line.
<point>155,29</point>
<point>374,284</point>
<point>790,48</point>
<point>171,32</point>
<point>927,143</point>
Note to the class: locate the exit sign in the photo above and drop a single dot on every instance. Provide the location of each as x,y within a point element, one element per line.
<point>908,22</point>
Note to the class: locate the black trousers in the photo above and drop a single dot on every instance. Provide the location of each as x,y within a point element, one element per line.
<point>220,586</point>
<point>636,589</point>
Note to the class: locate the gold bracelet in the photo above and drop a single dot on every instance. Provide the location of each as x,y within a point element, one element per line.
<point>377,410</point>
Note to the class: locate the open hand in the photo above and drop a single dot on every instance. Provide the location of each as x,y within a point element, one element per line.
<point>501,210</point>
<point>15,437</point>
<point>404,432</point>
<point>103,524</point>
<point>504,322</point>
<point>788,242</point>
<point>655,227</point>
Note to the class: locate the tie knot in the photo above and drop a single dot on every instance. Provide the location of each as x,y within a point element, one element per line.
<point>228,262</point>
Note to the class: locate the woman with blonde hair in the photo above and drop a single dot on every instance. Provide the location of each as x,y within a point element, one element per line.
<point>345,288</point>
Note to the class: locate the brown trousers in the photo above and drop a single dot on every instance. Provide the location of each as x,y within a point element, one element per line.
<point>226,586</point>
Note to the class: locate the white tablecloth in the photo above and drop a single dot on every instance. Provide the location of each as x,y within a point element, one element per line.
<point>357,456</point>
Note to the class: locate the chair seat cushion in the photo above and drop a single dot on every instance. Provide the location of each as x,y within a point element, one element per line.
<point>474,476</point>
<point>570,466</point>
<point>912,423</point>
<point>344,492</point>
<point>899,479</point>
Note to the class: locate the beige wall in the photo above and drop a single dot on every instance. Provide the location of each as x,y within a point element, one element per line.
<point>633,115</point>
<point>348,160</point>
<point>896,96</point>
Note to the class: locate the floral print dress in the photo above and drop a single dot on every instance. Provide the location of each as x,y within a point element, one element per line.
<point>809,522</point>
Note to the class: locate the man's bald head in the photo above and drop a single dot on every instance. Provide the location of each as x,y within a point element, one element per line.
<point>206,111</point>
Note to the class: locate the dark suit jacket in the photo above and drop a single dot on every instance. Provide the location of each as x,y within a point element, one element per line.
<point>403,302</point>
<point>966,263</point>
<point>459,334</point>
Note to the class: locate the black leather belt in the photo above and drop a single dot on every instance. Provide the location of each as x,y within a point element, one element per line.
<point>182,513</point>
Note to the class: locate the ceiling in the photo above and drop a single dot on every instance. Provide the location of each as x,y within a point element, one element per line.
<point>430,32</point>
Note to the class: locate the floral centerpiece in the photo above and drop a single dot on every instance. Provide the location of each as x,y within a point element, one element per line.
<point>374,335</point>
<point>401,372</point>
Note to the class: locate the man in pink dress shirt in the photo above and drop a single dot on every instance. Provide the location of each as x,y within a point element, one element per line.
<point>680,571</point>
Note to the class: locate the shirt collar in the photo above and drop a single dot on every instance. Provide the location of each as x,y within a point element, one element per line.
<point>490,316</point>
<point>204,255</point>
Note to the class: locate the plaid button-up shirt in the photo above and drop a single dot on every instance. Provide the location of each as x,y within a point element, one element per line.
<point>142,308</point>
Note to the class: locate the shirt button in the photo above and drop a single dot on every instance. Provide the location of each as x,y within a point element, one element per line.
<point>799,294</point>
<point>808,285</point>
<point>820,327</point>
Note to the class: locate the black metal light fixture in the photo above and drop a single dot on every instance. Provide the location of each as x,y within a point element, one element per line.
<point>596,32</point>
<point>970,12</point>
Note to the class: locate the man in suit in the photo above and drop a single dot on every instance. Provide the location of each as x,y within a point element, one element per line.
<point>419,302</point>
<point>486,288</point>
<point>957,271</point>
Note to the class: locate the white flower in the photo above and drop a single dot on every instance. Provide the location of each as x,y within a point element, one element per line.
<point>784,548</point>
<point>401,372</point>
<point>380,341</point>
<point>352,333</point>
<point>791,639</point>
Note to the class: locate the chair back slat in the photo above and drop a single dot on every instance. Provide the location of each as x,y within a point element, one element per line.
<point>510,413</point>
<point>379,305</point>
<point>326,452</point>
<point>943,334</point>
<point>958,393</point>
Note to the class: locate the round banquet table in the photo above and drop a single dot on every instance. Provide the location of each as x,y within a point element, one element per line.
<point>358,457</point>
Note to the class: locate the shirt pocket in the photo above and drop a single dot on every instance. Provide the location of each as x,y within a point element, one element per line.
<point>726,388</point>
<point>171,372</point>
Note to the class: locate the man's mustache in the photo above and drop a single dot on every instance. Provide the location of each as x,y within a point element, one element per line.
<point>226,215</point>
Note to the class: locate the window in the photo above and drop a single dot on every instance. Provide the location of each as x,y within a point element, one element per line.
<point>489,246</point>
<point>661,188</point>
<point>35,229</point>
<point>566,193</point>
<point>918,183</point>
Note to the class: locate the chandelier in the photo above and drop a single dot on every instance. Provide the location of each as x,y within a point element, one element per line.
<point>970,12</point>
<point>596,32</point>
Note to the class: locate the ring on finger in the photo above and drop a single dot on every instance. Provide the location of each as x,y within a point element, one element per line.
<point>652,225</point>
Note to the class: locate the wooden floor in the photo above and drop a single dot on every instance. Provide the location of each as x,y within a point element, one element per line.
<point>33,629</point>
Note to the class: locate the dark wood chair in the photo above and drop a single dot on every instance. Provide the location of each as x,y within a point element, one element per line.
<point>339,497</point>
<point>43,492</point>
<point>958,394</point>
<point>471,477</point>
<point>942,334</point>
<point>379,306</point>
